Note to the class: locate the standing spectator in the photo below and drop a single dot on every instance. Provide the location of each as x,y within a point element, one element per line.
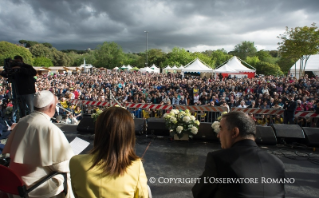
<point>290,109</point>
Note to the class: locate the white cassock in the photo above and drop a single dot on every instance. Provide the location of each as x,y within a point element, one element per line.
<point>37,147</point>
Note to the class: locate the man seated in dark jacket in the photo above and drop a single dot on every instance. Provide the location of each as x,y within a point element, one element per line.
<point>241,169</point>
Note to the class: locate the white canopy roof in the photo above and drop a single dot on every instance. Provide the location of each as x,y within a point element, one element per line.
<point>168,67</point>
<point>235,64</point>
<point>174,67</point>
<point>129,67</point>
<point>225,69</point>
<point>115,68</point>
<point>197,66</point>
<point>146,69</point>
<point>312,65</point>
<point>153,66</point>
<point>123,66</point>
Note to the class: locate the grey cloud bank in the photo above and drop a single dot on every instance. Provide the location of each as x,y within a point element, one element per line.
<point>194,25</point>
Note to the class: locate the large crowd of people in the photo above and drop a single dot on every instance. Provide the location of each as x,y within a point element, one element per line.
<point>113,158</point>
<point>263,92</point>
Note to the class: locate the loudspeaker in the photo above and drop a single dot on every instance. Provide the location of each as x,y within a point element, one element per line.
<point>157,126</point>
<point>288,131</point>
<point>205,132</point>
<point>86,125</point>
<point>312,136</point>
<point>265,135</point>
<point>140,125</point>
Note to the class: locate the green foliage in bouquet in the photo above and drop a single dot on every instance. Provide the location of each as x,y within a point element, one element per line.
<point>180,122</point>
<point>96,114</point>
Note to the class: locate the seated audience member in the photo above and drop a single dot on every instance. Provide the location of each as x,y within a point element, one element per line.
<point>240,158</point>
<point>37,148</point>
<point>278,119</point>
<point>262,120</point>
<point>112,168</point>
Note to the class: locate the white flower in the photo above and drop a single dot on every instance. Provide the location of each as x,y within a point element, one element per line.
<point>166,115</point>
<point>215,126</point>
<point>179,129</point>
<point>173,119</point>
<point>193,118</point>
<point>194,130</point>
<point>175,111</point>
<point>186,119</point>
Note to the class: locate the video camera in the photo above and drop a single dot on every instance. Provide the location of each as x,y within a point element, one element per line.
<point>8,66</point>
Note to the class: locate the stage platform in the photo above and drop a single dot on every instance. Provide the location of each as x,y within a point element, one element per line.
<point>165,158</point>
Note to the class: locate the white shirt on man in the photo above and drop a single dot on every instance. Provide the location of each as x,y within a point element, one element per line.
<point>37,148</point>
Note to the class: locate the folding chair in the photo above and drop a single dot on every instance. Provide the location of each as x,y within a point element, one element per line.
<point>11,183</point>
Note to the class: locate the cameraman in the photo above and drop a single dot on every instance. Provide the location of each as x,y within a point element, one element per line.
<point>23,84</point>
<point>290,107</point>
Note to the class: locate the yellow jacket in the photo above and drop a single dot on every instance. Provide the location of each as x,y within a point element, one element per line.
<point>91,183</point>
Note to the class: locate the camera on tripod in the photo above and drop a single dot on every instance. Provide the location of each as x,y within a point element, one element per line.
<point>9,64</point>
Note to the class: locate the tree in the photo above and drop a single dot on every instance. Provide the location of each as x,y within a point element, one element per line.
<point>246,48</point>
<point>299,43</point>
<point>268,69</point>
<point>49,45</point>
<point>60,59</point>
<point>109,55</point>
<point>178,57</point>
<point>252,60</point>
<point>9,50</point>
<point>40,50</point>
<point>204,58</point>
<point>156,56</point>
<point>42,61</point>
<point>220,56</point>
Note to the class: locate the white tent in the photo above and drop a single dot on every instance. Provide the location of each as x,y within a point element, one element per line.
<point>167,69</point>
<point>235,64</point>
<point>123,67</point>
<point>129,67</point>
<point>235,67</point>
<point>197,66</point>
<point>153,66</point>
<point>225,69</point>
<point>174,67</point>
<point>312,65</point>
<point>115,68</point>
<point>156,69</point>
<point>146,69</point>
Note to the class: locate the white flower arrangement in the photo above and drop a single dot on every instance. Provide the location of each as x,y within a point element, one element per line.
<point>180,122</point>
<point>216,124</point>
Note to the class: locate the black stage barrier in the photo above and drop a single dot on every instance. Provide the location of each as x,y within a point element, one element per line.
<point>157,126</point>
<point>265,135</point>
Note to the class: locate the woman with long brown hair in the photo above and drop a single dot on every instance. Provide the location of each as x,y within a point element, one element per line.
<point>112,169</point>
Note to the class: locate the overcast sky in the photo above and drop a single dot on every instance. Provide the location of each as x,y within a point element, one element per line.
<point>196,25</point>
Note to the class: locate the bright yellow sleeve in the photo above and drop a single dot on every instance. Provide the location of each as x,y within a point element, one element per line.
<point>141,188</point>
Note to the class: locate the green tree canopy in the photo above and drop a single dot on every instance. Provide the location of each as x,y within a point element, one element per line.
<point>40,50</point>
<point>299,42</point>
<point>60,59</point>
<point>9,50</point>
<point>219,56</point>
<point>178,57</point>
<point>42,61</point>
<point>246,48</point>
<point>109,55</point>
<point>268,69</point>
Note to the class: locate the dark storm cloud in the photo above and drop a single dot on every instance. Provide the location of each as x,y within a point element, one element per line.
<point>193,25</point>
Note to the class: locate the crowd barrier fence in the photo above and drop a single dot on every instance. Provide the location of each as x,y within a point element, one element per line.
<point>202,113</point>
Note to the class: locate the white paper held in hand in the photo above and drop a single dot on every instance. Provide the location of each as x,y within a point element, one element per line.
<point>78,145</point>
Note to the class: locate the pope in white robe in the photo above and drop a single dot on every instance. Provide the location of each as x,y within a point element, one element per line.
<point>37,148</point>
